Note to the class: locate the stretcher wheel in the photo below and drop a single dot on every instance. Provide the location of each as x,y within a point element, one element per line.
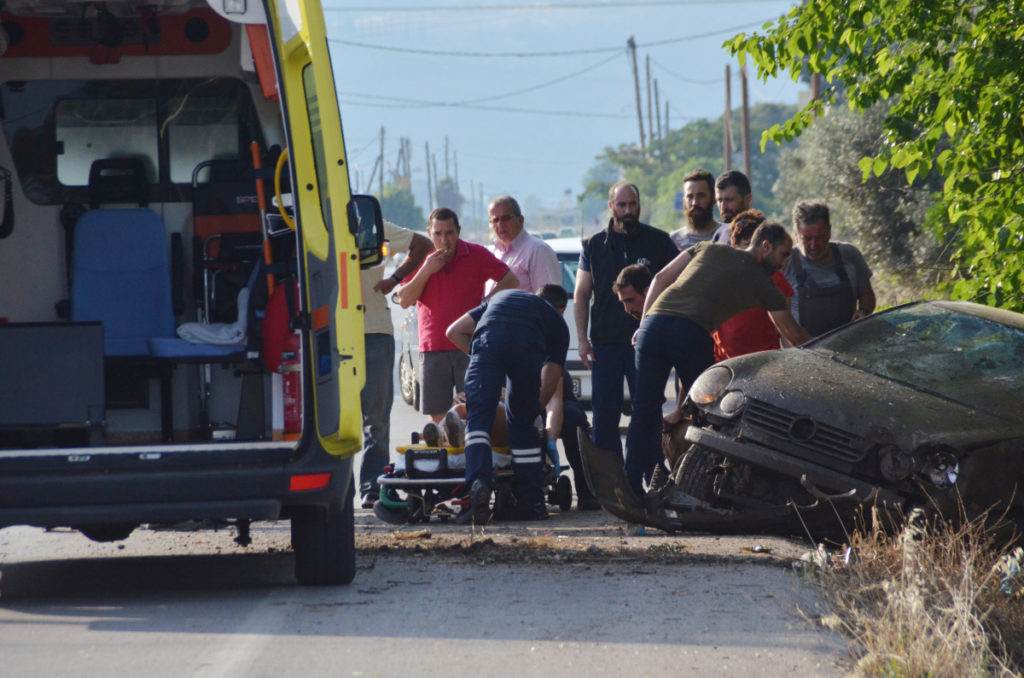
<point>563,493</point>
<point>390,515</point>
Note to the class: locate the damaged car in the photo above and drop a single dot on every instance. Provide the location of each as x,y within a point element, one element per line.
<point>916,406</point>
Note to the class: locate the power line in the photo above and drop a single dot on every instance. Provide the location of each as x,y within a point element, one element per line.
<point>536,6</point>
<point>541,85</point>
<point>396,102</point>
<point>520,55</point>
<point>691,81</point>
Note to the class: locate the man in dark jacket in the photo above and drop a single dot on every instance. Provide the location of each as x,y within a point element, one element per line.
<point>519,339</point>
<point>607,350</point>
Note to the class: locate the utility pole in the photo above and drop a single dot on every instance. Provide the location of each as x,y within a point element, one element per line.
<point>381,180</point>
<point>631,43</point>
<point>430,186</point>
<point>727,123</point>
<point>455,163</point>
<point>650,119</point>
<point>657,108</point>
<point>437,182</point>
<point>666,118</point>
<point>746,125</point>
<point>446,172</point>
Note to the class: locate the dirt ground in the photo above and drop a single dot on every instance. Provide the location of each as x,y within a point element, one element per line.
<point>573,537</point>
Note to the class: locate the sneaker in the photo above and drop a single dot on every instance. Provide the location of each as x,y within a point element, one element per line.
<point>479,511</point>
<point>369,499</point>
<point>454,429</point>
<point>431,435</point>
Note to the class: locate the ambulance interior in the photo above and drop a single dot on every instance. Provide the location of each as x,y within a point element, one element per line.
<point>148,273</point>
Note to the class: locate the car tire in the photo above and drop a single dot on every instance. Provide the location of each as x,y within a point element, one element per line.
<point>694,473</point>
<point>407,381</point>
<point>108,531</point>
<point>324,543</point>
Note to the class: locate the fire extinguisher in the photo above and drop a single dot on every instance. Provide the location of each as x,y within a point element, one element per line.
<point>291,376</point>
<point>282,350</point>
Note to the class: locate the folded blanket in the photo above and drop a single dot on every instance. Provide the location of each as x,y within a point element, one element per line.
<point>219,333</point>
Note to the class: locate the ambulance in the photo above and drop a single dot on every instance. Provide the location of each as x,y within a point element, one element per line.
<point>181,322</point>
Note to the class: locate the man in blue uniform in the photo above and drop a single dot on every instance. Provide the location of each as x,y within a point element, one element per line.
<point>518,340</point>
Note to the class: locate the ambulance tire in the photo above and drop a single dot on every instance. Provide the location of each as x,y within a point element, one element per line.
<point>324,544</point>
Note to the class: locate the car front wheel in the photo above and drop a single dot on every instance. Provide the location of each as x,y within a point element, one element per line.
<point>407,382</point>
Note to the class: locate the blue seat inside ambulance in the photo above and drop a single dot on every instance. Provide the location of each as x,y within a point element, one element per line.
<point>121,271</point>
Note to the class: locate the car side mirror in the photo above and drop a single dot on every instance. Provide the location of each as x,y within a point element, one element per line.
<point>366,223</point>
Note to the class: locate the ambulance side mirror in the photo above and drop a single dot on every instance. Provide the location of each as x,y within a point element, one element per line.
<point>366,223</point>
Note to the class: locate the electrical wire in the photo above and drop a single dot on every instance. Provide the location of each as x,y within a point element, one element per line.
<point>396,102</point>
<point>691,81</point>
<point>542,6</point>
<point>521,55</point>
<point>541,85</point>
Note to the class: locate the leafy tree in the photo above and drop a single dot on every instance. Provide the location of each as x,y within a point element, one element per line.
<point>881,215</point>
<point>659,172</point>
<point>953,71</point>
<point>398,206</point>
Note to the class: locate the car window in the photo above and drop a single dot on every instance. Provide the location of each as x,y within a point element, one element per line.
<point>973,360</point>
<point>569,263</point>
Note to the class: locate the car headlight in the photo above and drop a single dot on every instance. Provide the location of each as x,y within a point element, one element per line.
<point>710,385</point>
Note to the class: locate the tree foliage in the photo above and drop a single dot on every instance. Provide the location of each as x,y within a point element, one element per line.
<point>398,205</point>
<point>953,71</point>
<point>882,215</point>
<point>659,171</point>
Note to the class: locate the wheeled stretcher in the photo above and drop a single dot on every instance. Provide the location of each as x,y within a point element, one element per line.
<point>427,482</point>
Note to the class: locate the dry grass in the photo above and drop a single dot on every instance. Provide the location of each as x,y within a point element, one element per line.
<point>928,600</point>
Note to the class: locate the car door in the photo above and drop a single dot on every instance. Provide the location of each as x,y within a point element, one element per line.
<point>330,270</point>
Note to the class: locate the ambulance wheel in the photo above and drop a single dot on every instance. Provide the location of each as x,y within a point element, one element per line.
<point>324,543</point>
<point>563,492</point>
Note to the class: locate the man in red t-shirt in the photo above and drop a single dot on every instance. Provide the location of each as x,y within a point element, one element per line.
<point>448,284</point>
<point>751,330</point>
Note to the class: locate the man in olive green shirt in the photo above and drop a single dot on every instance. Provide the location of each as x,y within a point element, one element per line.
<point>700,289</point>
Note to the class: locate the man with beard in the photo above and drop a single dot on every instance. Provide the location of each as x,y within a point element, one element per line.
<point>701,288</point>
<point>607,349</point>
<point>732,195</point>
<point>698,206</point>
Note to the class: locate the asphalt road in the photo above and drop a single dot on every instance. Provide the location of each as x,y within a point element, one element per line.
<point>578,595</point>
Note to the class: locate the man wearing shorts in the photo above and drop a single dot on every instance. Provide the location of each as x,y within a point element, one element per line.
<point>449,283</point>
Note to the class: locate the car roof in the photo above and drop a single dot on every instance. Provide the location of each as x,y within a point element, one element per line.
<point>565,245</point>
<point>999,315</point>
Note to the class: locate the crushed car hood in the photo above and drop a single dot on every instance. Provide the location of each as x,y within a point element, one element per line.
<point>813,385</point>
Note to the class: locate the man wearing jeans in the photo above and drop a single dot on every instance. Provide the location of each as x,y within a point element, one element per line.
<point>699,290</point>
<point>608,350</point>
<point>379,334</point>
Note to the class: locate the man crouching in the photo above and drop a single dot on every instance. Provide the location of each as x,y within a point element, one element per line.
<point>518,338</point>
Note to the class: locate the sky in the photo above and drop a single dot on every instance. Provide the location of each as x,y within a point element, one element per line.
<point>528,93</point>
